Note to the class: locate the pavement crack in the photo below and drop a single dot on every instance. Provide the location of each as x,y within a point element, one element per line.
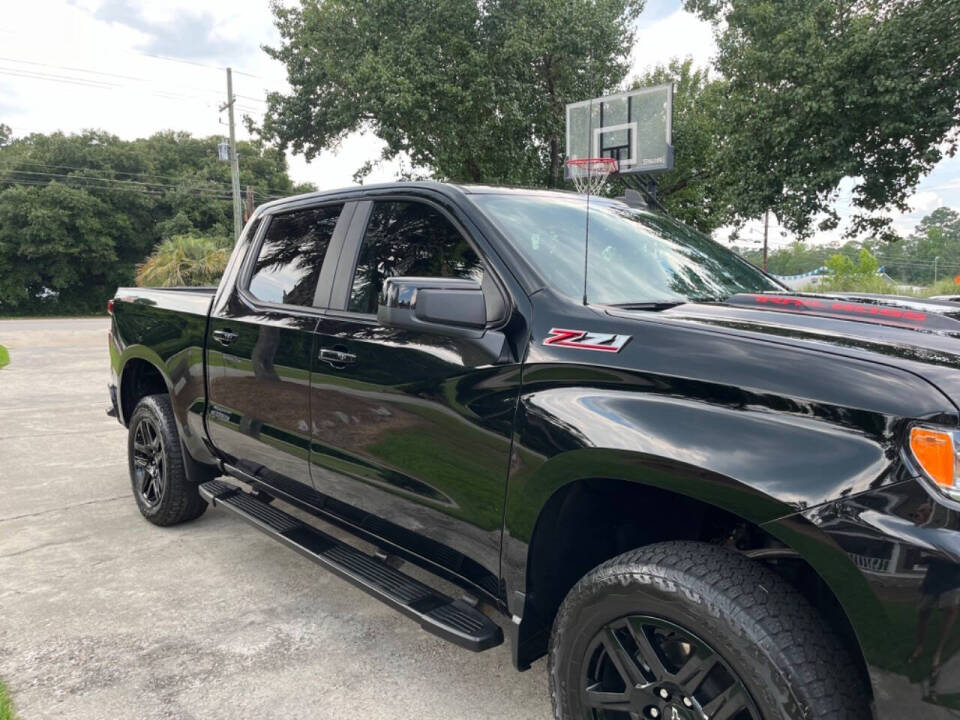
<point>59,432</point>
<point>43,545</point>
<point>62,508</point>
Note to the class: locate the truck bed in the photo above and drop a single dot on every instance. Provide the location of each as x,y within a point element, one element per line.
<point>194,300</point>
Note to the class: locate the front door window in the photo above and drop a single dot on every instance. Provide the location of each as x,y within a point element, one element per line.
<point>409,239</point>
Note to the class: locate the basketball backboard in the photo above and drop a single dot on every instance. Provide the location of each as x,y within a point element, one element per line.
<point>634,128</point>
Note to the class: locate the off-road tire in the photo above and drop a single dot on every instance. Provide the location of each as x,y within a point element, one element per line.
<point>792,665</point>
<point>179,500</point>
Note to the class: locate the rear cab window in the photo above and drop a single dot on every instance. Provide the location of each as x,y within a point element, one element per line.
<point>291,254</point>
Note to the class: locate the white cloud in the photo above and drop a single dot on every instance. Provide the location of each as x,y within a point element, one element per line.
<point>925,201</point>
<point>678,35</point>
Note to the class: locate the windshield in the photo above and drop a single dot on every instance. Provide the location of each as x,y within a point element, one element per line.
<point>636,256</point>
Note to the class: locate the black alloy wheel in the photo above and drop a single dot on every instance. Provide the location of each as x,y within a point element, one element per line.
<point>148,460</point>
<point>164,493</point>
<point>686,630</point>
<point>645,668</point>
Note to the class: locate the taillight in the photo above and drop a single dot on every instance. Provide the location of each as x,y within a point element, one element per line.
<point>110,306</point>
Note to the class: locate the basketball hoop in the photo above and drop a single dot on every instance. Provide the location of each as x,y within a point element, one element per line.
<point>589,174</point>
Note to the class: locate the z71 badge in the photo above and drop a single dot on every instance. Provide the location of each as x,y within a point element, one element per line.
<point>583,340</point>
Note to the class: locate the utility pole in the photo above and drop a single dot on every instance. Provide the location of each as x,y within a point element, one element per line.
<point>234,164</point>
<point>935,261</point>
<point>766,226</point>
<point>249,212</point>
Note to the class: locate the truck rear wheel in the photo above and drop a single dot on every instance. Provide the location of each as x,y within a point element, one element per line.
<point>164,494</point>
<point>686,631</point>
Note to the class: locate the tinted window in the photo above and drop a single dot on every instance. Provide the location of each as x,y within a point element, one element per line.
<point>292,252</point>
<point>408,239</point>
<point>635,256</point>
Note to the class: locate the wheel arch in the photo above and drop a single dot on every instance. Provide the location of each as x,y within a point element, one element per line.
<point>140,375</point>
<point>593,518</point>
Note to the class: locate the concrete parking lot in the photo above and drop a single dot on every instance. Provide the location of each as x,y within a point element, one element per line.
<point>103,615</point>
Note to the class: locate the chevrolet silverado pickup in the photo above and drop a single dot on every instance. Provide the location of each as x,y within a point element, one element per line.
<point>699,495</point>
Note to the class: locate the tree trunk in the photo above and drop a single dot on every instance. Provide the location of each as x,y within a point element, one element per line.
<point>552,181</point>
<point>476,174</point>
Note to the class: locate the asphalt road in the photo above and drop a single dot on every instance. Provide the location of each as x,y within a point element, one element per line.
<point>103,615</point>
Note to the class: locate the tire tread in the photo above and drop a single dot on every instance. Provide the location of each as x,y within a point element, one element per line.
<point>181,502</point>
<point>763,605</point>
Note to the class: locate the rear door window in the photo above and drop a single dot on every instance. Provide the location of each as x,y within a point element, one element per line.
<point>291,255</point>
<point>411,239</point>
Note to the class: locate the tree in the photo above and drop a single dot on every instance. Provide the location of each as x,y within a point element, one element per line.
<point>185,260</point>
<point>78,213</point>
<point>474,91</point>
<point>795,259</point>
<point>821,90</point>
<point>56,237</point>
<point>855,275</point>
<point>932,251</point>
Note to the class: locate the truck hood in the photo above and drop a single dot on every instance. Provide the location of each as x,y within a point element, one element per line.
<point>917,335</point>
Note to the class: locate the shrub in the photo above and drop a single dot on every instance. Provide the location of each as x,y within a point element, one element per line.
<point>185,260</point>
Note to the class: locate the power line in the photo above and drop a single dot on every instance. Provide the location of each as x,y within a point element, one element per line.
<point>33,75</point>
<point>191,62</point>
<point>176,178</point>
<point>96,84</point>
<point>74,69</point>
<point>107,184</point>
<point>88,71</point>
<point>44,183</point>
<point>219,190</point>
<point>201,96</point>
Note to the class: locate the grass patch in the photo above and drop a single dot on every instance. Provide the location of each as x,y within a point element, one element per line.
<point>4,360</point>
<point>6,705</point>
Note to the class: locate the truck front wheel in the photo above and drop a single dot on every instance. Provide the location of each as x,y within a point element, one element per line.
<point>164,494</point>
<point>686,631</point>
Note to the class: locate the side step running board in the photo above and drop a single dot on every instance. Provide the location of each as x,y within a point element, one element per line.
<point>453,620</point>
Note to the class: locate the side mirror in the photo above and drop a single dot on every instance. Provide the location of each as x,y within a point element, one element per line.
<point>443,306</point>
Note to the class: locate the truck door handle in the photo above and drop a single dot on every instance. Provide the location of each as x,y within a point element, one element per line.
<point>225,337</point>
<point>337,358</point>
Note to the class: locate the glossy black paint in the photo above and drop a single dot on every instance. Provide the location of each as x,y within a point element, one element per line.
<point>891,556</point>
<point>789,420</point>
<point>165,330</point>
<point>417,433</point>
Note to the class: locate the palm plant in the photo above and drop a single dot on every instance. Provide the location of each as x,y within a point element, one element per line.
<point>184,260</point>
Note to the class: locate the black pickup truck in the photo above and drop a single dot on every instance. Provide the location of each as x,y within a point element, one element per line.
<point>701,496</point>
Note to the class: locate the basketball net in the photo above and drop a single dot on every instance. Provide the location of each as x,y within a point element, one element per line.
<point>589,174</point>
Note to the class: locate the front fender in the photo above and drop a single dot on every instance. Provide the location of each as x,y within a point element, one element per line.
<point>733,451</point>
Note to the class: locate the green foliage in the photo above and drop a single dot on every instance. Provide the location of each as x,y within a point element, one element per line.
<point>78,213</point>
<point>947,286</point>
<point>860,275</point>
<point>474,91</point>
<point>795,259</point>
<point>821,90</point>
<point>185,260</point>
<point>930,253</point>
<point>6,705</point>
<point>842,267</point>
<point>934,245</point>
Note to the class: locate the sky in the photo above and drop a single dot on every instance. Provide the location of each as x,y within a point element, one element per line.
<point>135,67</point>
